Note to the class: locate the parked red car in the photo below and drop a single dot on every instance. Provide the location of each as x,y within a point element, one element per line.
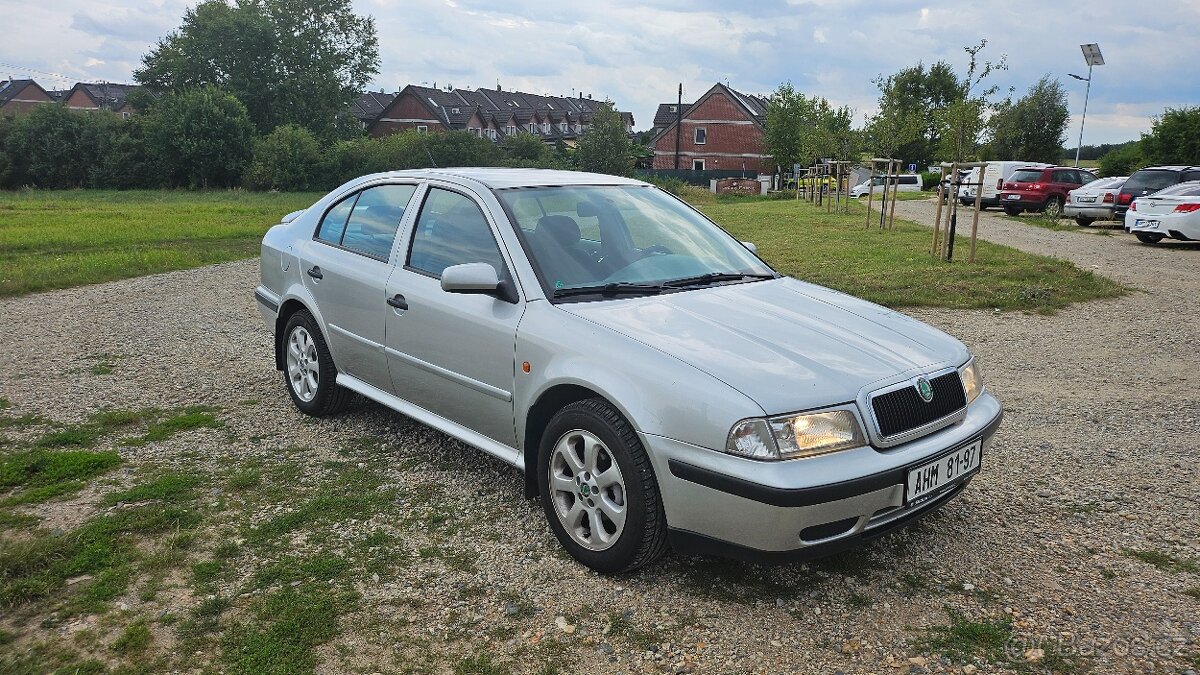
<point>1037,189</point>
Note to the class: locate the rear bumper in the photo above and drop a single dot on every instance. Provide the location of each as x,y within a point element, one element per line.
<point>1168,226</point>
<point>1089,211</point>
<point>1025,203</point>
<point>721,505</point>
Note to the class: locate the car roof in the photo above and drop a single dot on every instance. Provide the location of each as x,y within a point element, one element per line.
<point>500,178</point>
<point>1172,167</point>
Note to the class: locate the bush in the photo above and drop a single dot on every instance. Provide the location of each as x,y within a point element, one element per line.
<point>1122,161</point>
<point>285,159</point>
<point>930,179</point>
<point>200,137</point>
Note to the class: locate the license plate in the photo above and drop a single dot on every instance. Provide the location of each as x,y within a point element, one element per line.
<point>1013,197</point>
<point>1085,200</point>
<point>1149,224</point>
<point>946,470</point>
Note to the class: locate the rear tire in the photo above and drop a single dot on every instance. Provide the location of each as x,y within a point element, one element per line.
<point>1083,221</point>
<point>1053,207</point>
<point>581,446</point>
<point>308,370</point>
<point>1012,210</point>
<point>1148,237</point>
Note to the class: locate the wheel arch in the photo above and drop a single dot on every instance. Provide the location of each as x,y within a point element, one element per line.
<point>538,417</point>
<point>290,305</point>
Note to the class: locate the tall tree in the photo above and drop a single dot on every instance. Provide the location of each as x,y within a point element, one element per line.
<point>1033,128</point>
<point>802,129</point>
<point>1174,137</point>
<point>288,61</point>
<point>961,120</point>
<point>605,146</point>
<point>906,125</point>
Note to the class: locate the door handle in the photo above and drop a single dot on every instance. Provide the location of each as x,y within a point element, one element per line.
<point>398,301</point>
<point>315,273</point>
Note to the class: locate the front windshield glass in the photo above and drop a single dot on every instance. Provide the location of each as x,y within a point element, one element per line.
<point>586,236</point>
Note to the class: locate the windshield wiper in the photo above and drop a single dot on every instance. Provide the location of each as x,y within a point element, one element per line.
<point>613,288</point>
<point>715,277</point>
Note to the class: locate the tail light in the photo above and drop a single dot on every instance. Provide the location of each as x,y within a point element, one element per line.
<point>1187,208</point>
<point>1036,186</point>
<point>999,183</point>
<point>1124,198</point>
<point>1133,206</point>
<point>1108,198</point>
<point>1069,194</point>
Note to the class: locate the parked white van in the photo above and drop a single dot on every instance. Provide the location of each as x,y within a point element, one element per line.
<point>993,180</point>
<point>905,182</point>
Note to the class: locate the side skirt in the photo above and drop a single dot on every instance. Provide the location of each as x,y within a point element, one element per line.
<point>471,438</point>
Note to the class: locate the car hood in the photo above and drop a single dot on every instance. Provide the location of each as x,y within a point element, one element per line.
<point>786,344</point>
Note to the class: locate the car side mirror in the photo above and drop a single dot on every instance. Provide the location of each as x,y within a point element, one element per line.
<point>477,279</point>
<point>750,247</point>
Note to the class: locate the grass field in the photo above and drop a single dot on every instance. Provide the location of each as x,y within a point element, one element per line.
<point>69,238</point>
<point>54,240</point>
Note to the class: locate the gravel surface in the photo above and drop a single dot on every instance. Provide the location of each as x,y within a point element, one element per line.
<point>1097,457</point>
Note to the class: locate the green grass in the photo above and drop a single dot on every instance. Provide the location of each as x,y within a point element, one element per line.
<point>288,625</point>
<point>1165,561</point>
<point>894,268</point>
<point>964,639</point>
<point>60,239</point>
<point>39,474</point>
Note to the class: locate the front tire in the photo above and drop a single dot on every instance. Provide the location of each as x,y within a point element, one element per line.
<point>598,489</point>
<point>309,373</point>
<point>1148,237</point>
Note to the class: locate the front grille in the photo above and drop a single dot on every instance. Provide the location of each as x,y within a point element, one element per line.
<point>903,410</point>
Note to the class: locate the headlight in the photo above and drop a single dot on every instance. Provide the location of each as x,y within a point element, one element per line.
<point>972,380</point>
<point>793,436</point>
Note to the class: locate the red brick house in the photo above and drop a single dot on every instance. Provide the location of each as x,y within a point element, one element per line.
<point>722,131</point>
<point>488,113</point>
<point>21,96</point>
<point>99,96</point>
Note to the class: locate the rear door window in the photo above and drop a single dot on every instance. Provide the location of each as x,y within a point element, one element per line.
<point>334,222</point>
<point>372,226</point>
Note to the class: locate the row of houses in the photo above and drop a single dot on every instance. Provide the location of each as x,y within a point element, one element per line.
<point>721,131</point>
<point>19,96</point>
<point>487,113</point>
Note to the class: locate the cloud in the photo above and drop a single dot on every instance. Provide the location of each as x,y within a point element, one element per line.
<point>637,51</point>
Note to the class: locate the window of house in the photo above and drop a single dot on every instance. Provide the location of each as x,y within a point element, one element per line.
<point>701,136</point>
<point>451,230</point>
<point>421,129</point>
<point>545,127</point>
<point>563,127</point>
<point>510,130</point>
<point>532,128</point>
<point>674,108</point>
<point>125,115</point>
<point>697,165</point>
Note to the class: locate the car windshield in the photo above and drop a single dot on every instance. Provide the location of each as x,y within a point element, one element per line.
<point>1191,189</point>
<point>1150,180</point>
<point>1026,175</point>
<point>623,239</point>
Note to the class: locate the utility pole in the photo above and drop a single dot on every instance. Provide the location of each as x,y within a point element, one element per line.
<point>678,127</point>
<point>1091,54</point>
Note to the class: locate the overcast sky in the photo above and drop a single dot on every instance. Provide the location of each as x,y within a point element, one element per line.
<point>636,51</point>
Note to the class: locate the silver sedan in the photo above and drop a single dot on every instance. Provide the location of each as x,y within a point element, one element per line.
<point>655,381</point>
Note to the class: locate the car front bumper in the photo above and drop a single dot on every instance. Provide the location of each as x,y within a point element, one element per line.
<point>719,504</point>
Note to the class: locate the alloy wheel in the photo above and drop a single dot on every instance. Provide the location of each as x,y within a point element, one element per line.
<point>303,365</point>
<point>588,490</point>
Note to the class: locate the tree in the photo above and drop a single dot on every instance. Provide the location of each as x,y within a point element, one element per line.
<point>53,147</point>
<point>906,125</point>
<point>961,120</point>
<point>1174,137</point>
<point>285,159</point>
<point>200,137</point>
<point>288,61</point>
<point>802,130</point>
<point>1123,161</point>
<point>526,147</point>
<point>605,147</point>
<point>1033,128</point>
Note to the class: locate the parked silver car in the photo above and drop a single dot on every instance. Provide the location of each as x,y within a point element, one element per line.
<point>1094,201</point>
<point>654,379</point>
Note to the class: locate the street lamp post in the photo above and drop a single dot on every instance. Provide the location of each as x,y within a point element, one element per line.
<point>1091,54</point>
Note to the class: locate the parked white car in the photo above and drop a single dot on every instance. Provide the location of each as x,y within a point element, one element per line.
<point>1171,212</point>
<point>1094,201</point>
<point>907,182</point>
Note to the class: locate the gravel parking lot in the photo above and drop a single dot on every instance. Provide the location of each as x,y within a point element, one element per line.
<point>1075,550</point>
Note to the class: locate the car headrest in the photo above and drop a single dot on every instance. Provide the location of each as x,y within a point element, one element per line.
<point>562,229</point>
